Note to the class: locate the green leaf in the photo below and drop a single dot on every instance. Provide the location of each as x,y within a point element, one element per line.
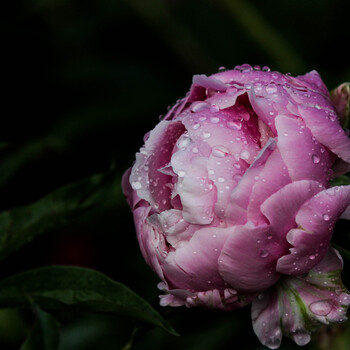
<point>45,334</point>
<point>343,180</point>
<point>345,253</point>
<point>21,225</point>
<point>57,287</point>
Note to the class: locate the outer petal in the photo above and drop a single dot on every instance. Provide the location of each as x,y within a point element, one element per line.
<point>296,306</point>
<point>194,265</point>
<point>247,261</point>
<point>146,179</point>
<point>282,207</point>
<point>304,157</point>
<point>315,221</point>
<point>326,128</point>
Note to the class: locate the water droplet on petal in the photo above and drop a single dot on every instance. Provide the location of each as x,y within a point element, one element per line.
<point>220,151</point>
<point>221,179</point>
<point>214,120</point>
<point>315,158</point>
<point>321,307</point>
<point>235,125</point>
<point>264,253</point>
<point>198,106</point>
<point>326,217</point>
<point>312,257</point>
<point>271,89</point>
<point>301,338</point>
<point>195,150</point>
<point>244,154</point>
<point>206,135</point>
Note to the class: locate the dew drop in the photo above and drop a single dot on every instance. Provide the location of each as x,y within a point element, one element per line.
<point>321,307</point>
<point>312,257</point>
<point>220,151</point>
<point>195,126</point>
<point>244,154</point>
<point>315,159</point>
<point>301,338</point>
<point>235,125</point>
<point>198,106</point>
<point>214,120</point>
<point>326,217</point>
<point>271,89</point>
<point>221,179</point>
<point>206,135</point>
<point>264,254</point>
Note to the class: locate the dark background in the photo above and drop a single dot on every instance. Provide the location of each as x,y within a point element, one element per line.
<point>83,81</point>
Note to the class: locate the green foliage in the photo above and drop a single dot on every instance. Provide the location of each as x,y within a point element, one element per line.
<point>59,287</point>
<point>21,225</point>
<point>45,334</point>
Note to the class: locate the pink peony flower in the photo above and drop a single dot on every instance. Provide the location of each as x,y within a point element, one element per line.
<point>231,200</point>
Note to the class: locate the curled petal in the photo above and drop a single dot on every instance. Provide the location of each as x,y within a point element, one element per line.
<point>226,299</point>
<point>297,306</point>
<point>315,220</point>
<point>146,178</point>
<point>282,206</point>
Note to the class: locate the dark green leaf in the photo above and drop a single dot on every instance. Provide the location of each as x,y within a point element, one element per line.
<point>20,225</point>
<point>56,287</point>
<point>345,253</point>
<point>343,180</point>
<point>45,334</point>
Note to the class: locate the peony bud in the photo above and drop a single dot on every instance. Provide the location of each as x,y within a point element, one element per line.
<point>231,199</point>
<point>341,100</point>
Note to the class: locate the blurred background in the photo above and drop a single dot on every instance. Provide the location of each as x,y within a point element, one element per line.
<point>84,80</point>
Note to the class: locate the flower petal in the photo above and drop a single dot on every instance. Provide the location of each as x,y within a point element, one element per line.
<point>282,206</point>
<point>194,265</point>
<point>296,306</point>
<point>304,157</point>
<point>146,179</point>
<point>248,259</point>
<point>315,221</point>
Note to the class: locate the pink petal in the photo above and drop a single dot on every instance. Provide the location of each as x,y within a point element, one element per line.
<point>282,206</point>
<point>266,319</point>
<point>304,157</point>
<point>315,221</point>
<point>247,261</point>
<point>297,305</point>
<point>196,190</point>
<point>194,265</point>
<point>326,128</point>
<point>146,179</point>
<point>272,177</point>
